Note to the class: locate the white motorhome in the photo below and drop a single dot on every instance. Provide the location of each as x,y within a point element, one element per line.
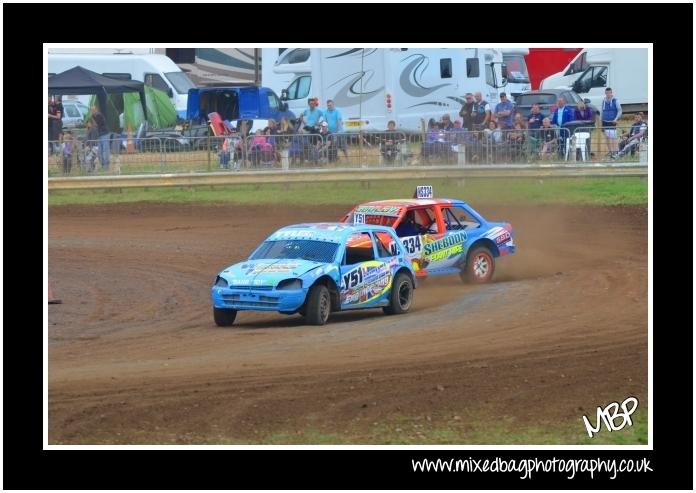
<point>373,86</point>
<point>280,66</point>
<point>516,71</point>
<point>154,70</point>
<point>625,70</point>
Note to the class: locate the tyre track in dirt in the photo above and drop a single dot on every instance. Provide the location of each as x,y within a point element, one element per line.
<point>134,356</point>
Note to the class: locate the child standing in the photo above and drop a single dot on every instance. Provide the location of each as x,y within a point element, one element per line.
<point>67,149</point>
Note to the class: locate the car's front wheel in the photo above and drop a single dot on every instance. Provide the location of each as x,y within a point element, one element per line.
<point>224,317</point>
<point>479,266</point>
<point>318,305</point>
<point>401,295</point>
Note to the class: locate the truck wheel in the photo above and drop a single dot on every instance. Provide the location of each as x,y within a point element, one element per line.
<point>479,266</point>
<point>224,317</point>
<point>401,295</point>
<point>318,305</point>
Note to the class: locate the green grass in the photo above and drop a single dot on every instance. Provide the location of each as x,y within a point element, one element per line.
<point>412,431</point>
<point>578,191</point>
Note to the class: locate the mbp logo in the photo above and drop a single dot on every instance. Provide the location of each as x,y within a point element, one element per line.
<point>610,414</point>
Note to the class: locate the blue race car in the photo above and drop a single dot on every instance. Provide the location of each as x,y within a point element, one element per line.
<point>315,269</point>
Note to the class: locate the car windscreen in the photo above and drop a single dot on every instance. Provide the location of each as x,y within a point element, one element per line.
<point>530,99</point>
<point>316,251</point>
<point>180,81</point>
<point>516,69</point>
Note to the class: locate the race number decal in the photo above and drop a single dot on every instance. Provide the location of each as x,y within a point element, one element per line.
<point>424,192</point>
<point>359,218</point>
<point>412,244</point>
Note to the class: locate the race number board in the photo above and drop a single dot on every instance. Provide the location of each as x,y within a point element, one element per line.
<point>424,192</point>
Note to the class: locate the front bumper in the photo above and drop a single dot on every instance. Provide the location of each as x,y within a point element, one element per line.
<point>242,298</point>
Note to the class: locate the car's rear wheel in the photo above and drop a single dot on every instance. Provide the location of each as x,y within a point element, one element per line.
<point>401,295</point>
<point>224,317</point>
<point>479,267</point>
<point>318,305</point>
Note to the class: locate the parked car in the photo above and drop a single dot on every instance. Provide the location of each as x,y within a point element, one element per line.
<point>548,101</point>
<point>75,113</point>
<point>315,269</point>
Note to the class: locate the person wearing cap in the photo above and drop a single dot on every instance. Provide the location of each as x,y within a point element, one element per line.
<point>630,142</point>
<point>327,146</point>
<point>467,111</point>
<point>503,112</point>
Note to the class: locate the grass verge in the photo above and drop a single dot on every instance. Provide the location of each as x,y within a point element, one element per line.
<point>577,191</point>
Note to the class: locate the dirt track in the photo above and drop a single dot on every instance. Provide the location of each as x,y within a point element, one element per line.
<point>134,356</point>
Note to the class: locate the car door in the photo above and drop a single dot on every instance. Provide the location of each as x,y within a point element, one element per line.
<point>444,250</point>
<point>426,218</point>
<point>365,272</point>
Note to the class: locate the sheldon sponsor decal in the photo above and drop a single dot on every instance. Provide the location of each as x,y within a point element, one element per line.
<point>448,242</point>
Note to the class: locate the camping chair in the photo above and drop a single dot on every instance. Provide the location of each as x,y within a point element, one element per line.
<point>578,142</point>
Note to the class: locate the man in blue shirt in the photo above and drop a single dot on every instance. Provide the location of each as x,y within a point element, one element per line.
<point>535,117</point>
<point>312,115</point>
<point>334,119</point>
<point>503,111</point>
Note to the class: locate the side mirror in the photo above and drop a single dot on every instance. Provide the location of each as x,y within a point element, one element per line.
<point>587,101</point>
<point>284,95</point>
<point>170,93</point>
<point>503,71</point>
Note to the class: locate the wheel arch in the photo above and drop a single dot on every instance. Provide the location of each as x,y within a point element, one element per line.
<point>334,292</point>
<point>485,242</point>
<point>408,272</point>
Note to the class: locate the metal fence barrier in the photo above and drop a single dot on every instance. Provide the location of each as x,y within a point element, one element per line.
<point>179,154</point>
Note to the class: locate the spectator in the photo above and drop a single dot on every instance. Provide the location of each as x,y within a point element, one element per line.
<point>334,118</point>
<point>518,119</point>
<point>457,133</point>
<point>561,116</point>
<point>446,123</point>
<point>467,111</point>
<point>67,149</point>
<point>312,115</point>
<point>389,143</point>
<point>549,138</point>
<point>630,142</point>
<point>503,112</point>
<point>516,140</point>
<point>55,126</point>
<point>584,113</point>
<point>481,112</point>
<point>494,141</point>
<point>91,147</point>
<point>104,136</point>
<point>429,148</point>
<point>535,117</point>
<point>326,148</point>
<point>610,114</point>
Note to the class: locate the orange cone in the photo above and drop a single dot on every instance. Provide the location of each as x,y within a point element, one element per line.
<point>51,299</point>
